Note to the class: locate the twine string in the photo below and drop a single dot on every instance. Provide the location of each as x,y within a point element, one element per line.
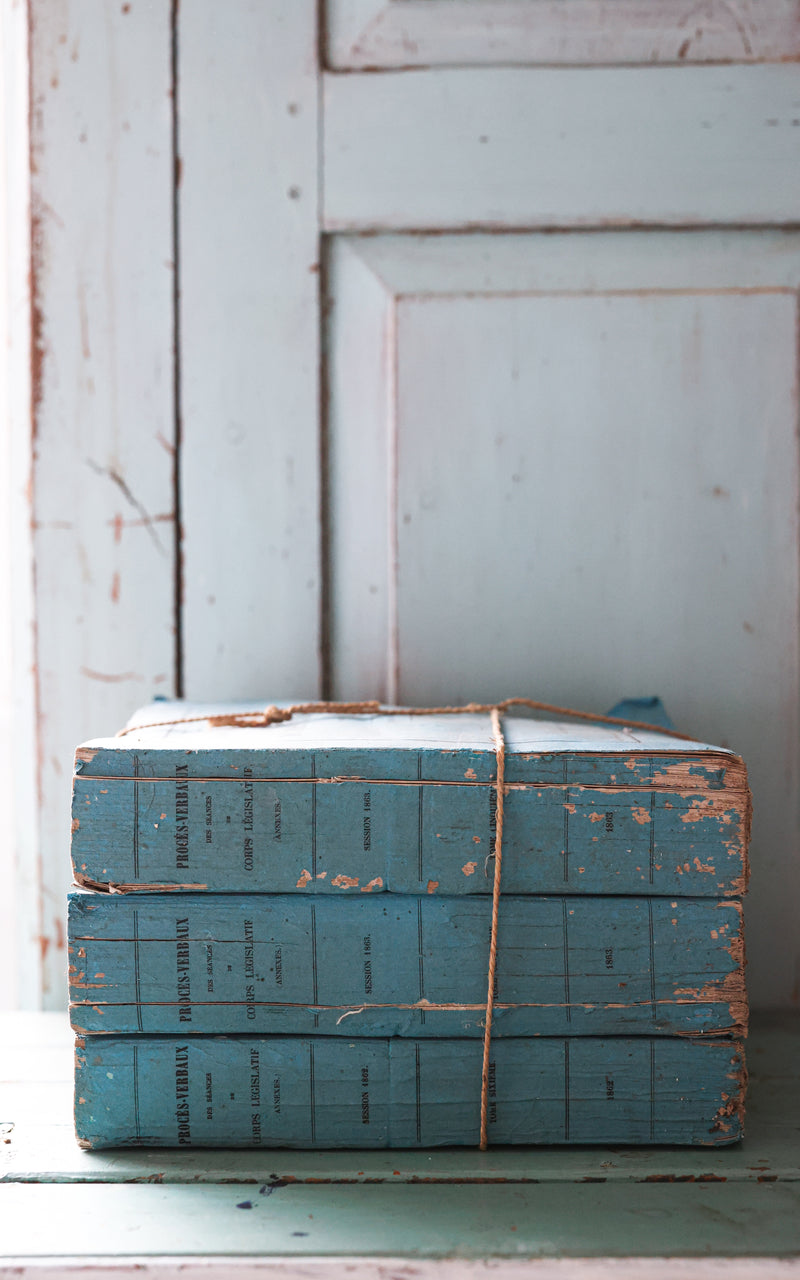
<point>263,718</point>
<point>500,752</point>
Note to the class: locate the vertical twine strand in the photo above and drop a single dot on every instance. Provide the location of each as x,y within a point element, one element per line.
<point>500,750</point>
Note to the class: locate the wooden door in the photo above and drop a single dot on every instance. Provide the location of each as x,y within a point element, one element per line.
<point>485,374</point>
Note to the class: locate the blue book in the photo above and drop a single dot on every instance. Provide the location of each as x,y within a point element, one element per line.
<point>345,805</point>
<point>247,1091</point>
<point>404,966</point>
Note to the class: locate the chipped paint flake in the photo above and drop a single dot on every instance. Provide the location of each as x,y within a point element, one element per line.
<point>706,868</point>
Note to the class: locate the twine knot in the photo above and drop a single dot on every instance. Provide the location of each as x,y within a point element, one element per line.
<point>251,719</point>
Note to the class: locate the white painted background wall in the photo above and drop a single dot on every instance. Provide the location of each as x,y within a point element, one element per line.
<point>552,448</point>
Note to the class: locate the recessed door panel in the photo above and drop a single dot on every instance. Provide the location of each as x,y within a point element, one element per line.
<point>560,476</point>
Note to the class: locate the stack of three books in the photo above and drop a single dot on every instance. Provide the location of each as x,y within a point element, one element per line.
<point>282,935</point>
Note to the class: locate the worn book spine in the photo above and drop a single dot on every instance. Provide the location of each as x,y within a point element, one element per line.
<point>404,966</point>
<point>315,1092</point>
<point>229,821</point>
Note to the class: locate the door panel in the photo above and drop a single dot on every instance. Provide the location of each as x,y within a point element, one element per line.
<point>510,147</point>
<point>579,462</point>
<point>413,33</point>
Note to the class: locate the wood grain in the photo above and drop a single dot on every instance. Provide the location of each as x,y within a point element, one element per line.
<point>410,1221</point>
<point>249,348</point>
<point>102,393</point>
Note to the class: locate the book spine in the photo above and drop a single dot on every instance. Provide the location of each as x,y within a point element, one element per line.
<point>404,966</point>
<point>328,836</point>
<point>288,1092</point>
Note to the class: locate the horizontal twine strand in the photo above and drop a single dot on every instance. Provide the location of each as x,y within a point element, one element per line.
<point>262,718</point>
